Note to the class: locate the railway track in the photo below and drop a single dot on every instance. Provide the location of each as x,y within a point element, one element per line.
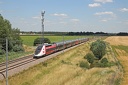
<point>16,63</point>
<point>24,61</point>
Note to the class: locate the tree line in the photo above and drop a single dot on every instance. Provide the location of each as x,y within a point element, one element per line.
<point>40,33</point>
<point>98,33</point>
<point>75,33</point>
<point>87,33</point>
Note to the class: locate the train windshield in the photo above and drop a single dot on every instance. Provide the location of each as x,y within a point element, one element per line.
<point>38,49</point>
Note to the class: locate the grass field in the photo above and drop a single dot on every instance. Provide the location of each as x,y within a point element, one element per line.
<point>29,39</point>
<point>64,69</point>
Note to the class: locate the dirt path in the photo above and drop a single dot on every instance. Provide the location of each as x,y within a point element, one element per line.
<point>122,54</point>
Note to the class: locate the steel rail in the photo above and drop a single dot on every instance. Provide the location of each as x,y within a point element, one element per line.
<point>15,60</point>
<point>17,65</point>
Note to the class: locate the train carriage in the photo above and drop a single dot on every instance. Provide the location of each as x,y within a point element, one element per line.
<point>50,48</point>
<point>68,43</point>
<point>60,46</point>
<point>46,49</point>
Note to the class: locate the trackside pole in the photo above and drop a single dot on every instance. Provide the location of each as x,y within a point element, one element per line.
<point>6,61</point>
<point>63,43</point>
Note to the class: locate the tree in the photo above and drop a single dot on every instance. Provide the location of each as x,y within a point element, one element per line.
<point>12,35</point>
<point>90,57</point>
<point>40,41</point>
<point>5,28</point>
<point>98,48</point>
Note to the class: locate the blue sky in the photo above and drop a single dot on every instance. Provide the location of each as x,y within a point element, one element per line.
<point>67,15</point>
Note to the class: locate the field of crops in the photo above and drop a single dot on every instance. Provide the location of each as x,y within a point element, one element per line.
<point>120,47</point>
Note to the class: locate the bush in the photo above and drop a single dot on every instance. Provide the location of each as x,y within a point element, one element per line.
<point>98,48</point>
<point>104,63</point>
<point>40,41</point>
<point>84,64</point>
<point>2,51</point>
<point>104,60</point>
<point>17,48</point>
<point>90,57</point>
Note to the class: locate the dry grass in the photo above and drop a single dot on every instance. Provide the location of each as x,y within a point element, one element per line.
<point>65,70</point>
<point>28,48</point>
<point>124,61</point>
<point>122,54</point>
<point>118,40</point>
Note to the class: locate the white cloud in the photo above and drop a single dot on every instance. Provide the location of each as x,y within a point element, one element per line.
<point>36,17</point>
<point>103,1</point>
<point>125,22</point>
<point>60,15</point>
<point>34,24</point>
<point>47,21</point>
<point>124,10</point>
<point>75,20</point>
<point>104,13</point>
<point>94,5</point>
<point>104,20</point>
<point>22,18</point>
<point>62,22</point>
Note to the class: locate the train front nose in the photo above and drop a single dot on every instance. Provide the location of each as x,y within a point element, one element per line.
<point>39,51</point>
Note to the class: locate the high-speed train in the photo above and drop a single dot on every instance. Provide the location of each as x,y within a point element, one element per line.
<point>46,49</point>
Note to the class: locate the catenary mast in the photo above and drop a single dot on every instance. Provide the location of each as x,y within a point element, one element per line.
<point>42,19</point>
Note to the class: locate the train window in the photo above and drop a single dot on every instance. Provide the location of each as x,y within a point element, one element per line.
<point>48,45</point>
<point>39,47</point>
<point>50,49</point>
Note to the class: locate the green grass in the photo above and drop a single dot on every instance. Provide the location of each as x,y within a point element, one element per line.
<point>121,47</point>
<point>13,55</point>
<point>28,39</point>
